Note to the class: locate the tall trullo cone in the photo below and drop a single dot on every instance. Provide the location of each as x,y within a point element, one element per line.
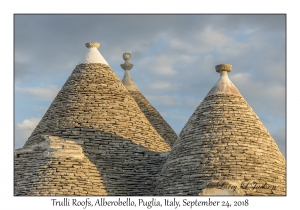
<point>224,149</point>
<point>156,120</point>
<point>93,139</point>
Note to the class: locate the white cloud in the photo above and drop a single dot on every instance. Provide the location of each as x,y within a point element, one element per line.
<point>236,51</point>
<point>164,99</point>
<point>23,130</point>
<point>184,46</point>
<point>159,64</point>
<point>214,38</point>
<point>249,31</point>
<point>21,57</point>
<point>164,70</point>
<point>201,42</point>
<point>159,85</point>
<point>46,94</point>
<point>268,99</point>
<point>244,79</point>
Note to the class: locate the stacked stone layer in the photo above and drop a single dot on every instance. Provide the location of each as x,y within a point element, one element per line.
<point>95,109</point>
<point>93,99</point>
<point>97,138</point>
<point>223,144</point>
<point>156,120</point>
<point>56,166</point>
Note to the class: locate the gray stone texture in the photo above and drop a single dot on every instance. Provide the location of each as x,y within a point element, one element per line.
<point>156,120</point>
<point>56,166</point>
<point>98,138</point>
<point>223,140</point>
<point>95,113</point>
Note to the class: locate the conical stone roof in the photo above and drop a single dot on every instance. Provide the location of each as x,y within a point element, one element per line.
<point>93,140</point>
<point>224,149</point>
<point>156,120</point>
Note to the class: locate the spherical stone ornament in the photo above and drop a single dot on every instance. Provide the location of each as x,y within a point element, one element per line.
<point>126,65</point>
<point>92,44</point>
<point>126,56</point>
<point>223,67</point>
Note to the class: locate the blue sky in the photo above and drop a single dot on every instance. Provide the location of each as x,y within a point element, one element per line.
<point>174,57</point>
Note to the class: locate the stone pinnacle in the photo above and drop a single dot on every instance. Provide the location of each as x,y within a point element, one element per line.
<point>223,67</point>
<point>92,44</point>
<point>223,85</point>
<point>126,65</point>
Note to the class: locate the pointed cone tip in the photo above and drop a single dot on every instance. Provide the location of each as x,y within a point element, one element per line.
<point>93,55</point>
<point>223,85</point>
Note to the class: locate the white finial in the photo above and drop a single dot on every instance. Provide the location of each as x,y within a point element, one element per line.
<point>94,56</point>
<point>223,85</point>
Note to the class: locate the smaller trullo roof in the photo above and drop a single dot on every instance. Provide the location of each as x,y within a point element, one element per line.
<point>93,140</point>
<point>224,149</point>
<point>156,120</point>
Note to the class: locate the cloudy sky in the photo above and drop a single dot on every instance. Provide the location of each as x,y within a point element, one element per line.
<point>174,59</point>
